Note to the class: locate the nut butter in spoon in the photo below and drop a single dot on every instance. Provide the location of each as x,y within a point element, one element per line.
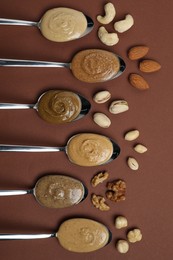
<point>59,24</point>
<point>54,191</point>
<point>56,106</point>
<point>80,235</point>
<point>91,66</point>
<point>84,149</point>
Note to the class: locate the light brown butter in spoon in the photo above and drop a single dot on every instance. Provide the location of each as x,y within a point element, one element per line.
<point>82,235</point>
<point>88,149</point>
<point>63,24</point>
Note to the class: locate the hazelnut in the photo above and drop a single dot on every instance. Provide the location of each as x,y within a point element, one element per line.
<point>121,222</point>
<point>134,235</point>
<point>122,246</point>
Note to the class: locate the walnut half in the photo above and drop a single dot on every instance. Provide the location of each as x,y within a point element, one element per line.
<point>116,190</point>
<point>99,202</point>
<point>99,178</point>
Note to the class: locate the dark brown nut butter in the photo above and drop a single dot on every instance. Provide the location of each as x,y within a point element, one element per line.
<point>58,191</point>
<point>58,107</point>
<point>95,65</point>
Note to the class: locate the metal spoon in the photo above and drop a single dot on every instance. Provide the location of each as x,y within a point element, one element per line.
<point>4,21</point>
<point>24,148</point>
<point>85,106</point>
<point>72,230</point>
<point>54,191</point>
<point>90,60</point>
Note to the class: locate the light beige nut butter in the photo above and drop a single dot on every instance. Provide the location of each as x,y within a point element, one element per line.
<point>88,149</point>
<point>95,65</point>
<point>82,235</point>
<point>58,191</point>
<point>58,107</point>
<point>63,24</point>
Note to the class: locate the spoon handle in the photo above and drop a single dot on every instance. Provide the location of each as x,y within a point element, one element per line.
<point>16,106</point>
<point>14,192</point>
<point>4,21</point>
<point>24,236</point>
<point>32,63</point>
<point>25,148</point>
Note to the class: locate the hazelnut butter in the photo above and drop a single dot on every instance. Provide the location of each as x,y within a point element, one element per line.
<point>95,65</point>
<point>82,235</point>
<point>89,149</point>
<point>58,191</point>
<point>63,24</point>
<point>58,107</point>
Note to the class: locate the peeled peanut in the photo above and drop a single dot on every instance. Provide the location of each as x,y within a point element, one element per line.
<point>131,135</point>
<point>139,148</point>
<point>133,164</point>
<point>102,120</point>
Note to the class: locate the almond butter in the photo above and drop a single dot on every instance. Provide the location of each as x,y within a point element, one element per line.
<point>137,52</point>
<point>138,81</point>
<point>149,66</point>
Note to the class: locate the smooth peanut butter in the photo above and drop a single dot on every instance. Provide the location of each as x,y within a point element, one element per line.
<point>95,65</point>
<point>63,24</point>
<point>89,149</point>
<point>82,235</point>
<point>58,107</point>
<point>58,191</point>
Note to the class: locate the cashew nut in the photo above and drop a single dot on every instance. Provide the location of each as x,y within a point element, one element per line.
<point>108,39</point>
<point>110,13</point>
<point>124,25</point>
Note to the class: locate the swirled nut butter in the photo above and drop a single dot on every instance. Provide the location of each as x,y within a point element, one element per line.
<point>58,107</point>
<point>63,24</point>
<point>95,65</point>
<point>58,191</point>
<point>82,235</point>
<point>89,149</point>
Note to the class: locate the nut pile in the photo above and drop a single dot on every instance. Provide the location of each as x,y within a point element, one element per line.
<point>116,191</point>
<point>133,236</point>
<point>139,148</point>
<point>146,66</point>
<point>121,26</point>
<point>116,107</point>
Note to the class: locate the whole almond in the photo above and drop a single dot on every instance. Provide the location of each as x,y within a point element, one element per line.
<point>118,106</point>
<point>133,164</point>
<point>138,81</point>
<point>137,52</point>
<point>131,135</point>
<point>102,96</point>
<point>149,66</point>
<point>102,120</point>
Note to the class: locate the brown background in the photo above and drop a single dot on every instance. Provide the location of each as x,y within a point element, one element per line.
<point>149,190</point>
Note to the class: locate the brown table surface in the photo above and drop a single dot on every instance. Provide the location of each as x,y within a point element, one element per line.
<point>149,190</point>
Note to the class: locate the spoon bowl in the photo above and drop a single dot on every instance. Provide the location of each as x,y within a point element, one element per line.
<point>90,66</point>
<point>58,24</point>
<point>56,106</point>
<point>84,149</point>
<point>54,191</point>
<point>79,235</point>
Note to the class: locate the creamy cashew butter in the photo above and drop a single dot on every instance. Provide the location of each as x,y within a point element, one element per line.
<point>58,107</point>
<point>58,191</point>
<point>95,65</point>
<point>82,235</point>
<point>63,24</point>
<point>89,149</point>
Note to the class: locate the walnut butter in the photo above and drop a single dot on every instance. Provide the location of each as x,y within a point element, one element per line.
<point>82,235</point>
<point>58,191</point>
<point>95,65</point>
<point>58,107</point>
<point>89,149</point>
<point>63,24</point>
